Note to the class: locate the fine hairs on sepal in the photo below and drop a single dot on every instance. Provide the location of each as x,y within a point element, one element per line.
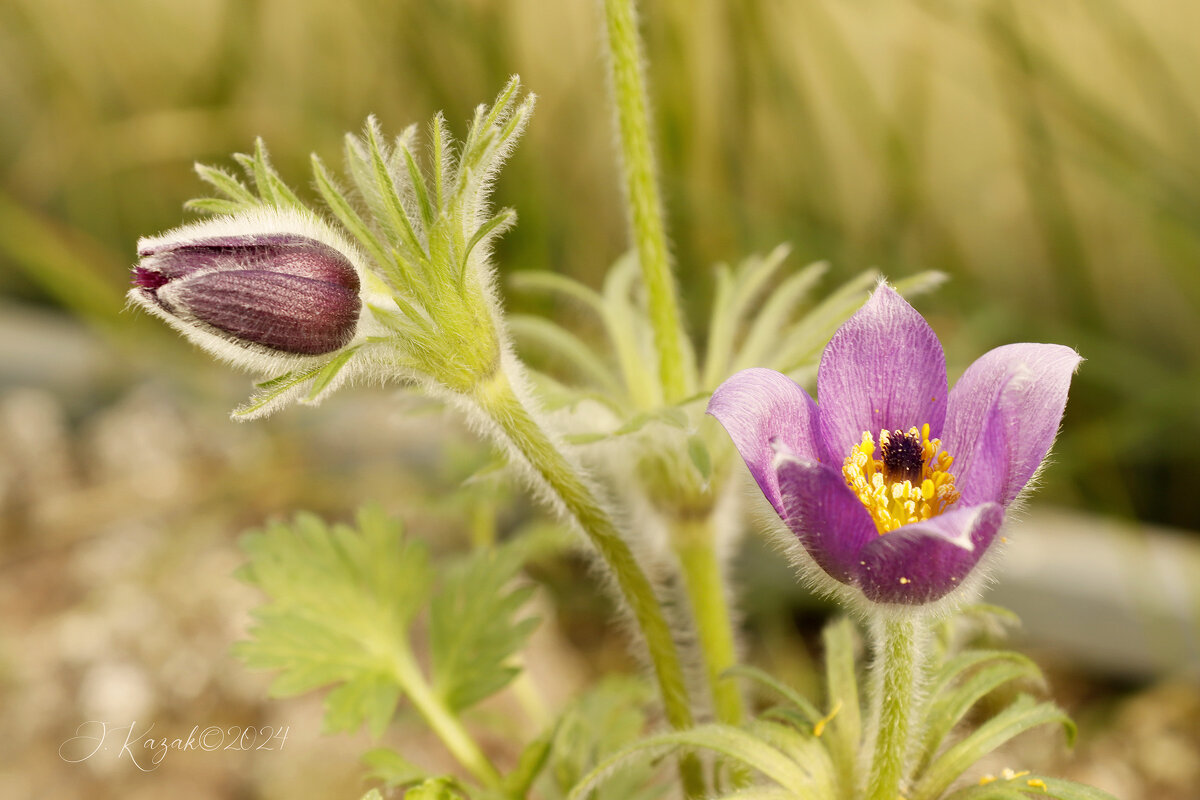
<point>269,290</point>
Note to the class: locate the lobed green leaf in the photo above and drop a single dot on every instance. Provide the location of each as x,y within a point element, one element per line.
<point>392,768</point>
<point>340,600</point>
<point>474,629</point>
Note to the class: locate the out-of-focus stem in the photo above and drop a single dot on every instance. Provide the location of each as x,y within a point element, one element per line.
<point>497,399</point>
<point>675,368</point>
<point>693,541</point>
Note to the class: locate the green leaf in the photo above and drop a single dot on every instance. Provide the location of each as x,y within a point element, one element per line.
<point>392,768</point>
<point>596,725</point>
<point>369,697</point>
<point>949,706</point>
<point>733,299</point>
<point>532,761</point>
<point>340,600</point>
<point>474,629</point>
<point>265,175</point>
<point>669,415</point>
<point>395,214</point>
<point>990,791</point>
<point>1022,715</point>
<point>953,669</point>
<point>804,748</point>
<point>802,704</point>
<point>418,183</point>
<point>841,679</point>
<point>214,205</point>
<point>1026,785</point>
<point>274,391</point>
<point>698,453</point>
<point>436,789</point>
<point>733,743</point>
<point>498,224</point>
<point>759,793</point>
<point>762,340</point>
<point>554,283</point>
<point>336,200</point>
<point>802,341</point>
<point>328,372</point>
<point>1065,790</point>
<point>568,347</point>
<point>236,191</point>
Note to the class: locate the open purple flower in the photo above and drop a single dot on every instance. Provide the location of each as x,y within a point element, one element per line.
<point>893,483</point>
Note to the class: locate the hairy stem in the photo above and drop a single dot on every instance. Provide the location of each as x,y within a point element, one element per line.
<point>897,668</point>
<point>442,720</point>
<point>555,473</point>
<point>642,194</point>
<point>693,543</point>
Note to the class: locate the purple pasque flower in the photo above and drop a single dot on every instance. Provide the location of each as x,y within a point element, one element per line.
<point>269,289</point>
<point>893,483</point>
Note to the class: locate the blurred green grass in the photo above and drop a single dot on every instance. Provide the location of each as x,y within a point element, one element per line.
<point>1046,156</point>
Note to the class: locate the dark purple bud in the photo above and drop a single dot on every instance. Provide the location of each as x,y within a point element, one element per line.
<point>284,292</point>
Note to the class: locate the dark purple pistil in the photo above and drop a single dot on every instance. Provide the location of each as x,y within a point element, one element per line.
<point>903,457</point>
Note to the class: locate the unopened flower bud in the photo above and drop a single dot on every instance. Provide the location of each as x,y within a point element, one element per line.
<point>273,293</point>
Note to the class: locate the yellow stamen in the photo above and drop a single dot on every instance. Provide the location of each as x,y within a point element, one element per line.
<point>819,728</point>
<point>910,481</point>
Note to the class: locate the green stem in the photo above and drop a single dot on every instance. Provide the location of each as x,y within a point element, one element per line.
<point>897,668</point>
<point>442,720</point>
<point>498,400</point>
<point>645,205</point>
<point>693,543</point>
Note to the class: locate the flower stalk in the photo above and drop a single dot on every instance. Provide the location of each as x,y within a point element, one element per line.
<point>441,719</point>
<point>897,668</point>
<point>675,367</point>
<point>498,400</point>
<point>704,584</point>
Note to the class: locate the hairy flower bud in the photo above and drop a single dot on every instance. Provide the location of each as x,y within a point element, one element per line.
<point>269,290</point>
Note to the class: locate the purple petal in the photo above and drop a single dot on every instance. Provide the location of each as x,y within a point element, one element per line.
<point>825,514</point>
<point>225,242</point>
<point>288,313</point>
<point>981,469</point>
<point>1014,395</point>
<point>759,407</point>
<point>884,368</point>
<point>279,252</point>
<point>925,561</point>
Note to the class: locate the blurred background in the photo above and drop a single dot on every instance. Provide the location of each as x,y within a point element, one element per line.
<point>1045,156</point>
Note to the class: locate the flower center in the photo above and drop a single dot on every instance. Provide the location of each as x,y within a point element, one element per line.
<point>909,482</point>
